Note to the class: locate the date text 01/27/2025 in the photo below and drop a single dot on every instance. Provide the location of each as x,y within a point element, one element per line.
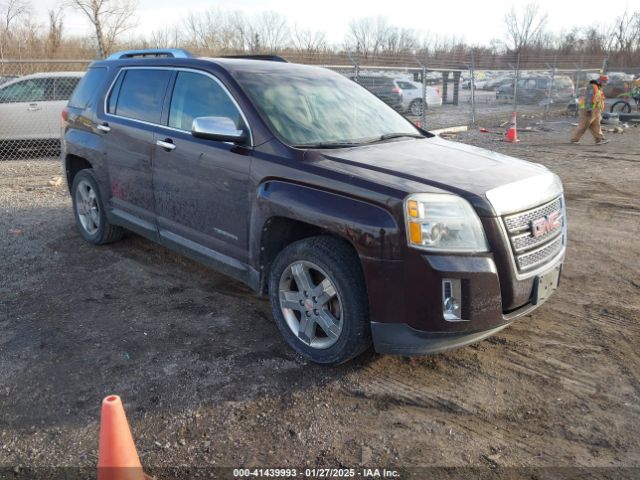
<point>315,473</point>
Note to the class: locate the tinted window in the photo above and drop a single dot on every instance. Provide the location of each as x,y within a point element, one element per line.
<point>115,91</point>
<point>142,93</point>
<point>313,106</point>
<point>63,87</point>
<point>196,95</point>
<point>89,84</point>
<point>31,90</point>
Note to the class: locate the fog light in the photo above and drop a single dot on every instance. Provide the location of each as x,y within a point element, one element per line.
<point>451,300</point>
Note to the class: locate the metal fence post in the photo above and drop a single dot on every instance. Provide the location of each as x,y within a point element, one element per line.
<point>356,67</point>
<point>423,117</point>
<point>550,90</point>
<point>515,84</point>
<point>473,88</point>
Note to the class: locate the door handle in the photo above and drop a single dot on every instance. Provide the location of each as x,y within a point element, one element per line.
<point>167,144</point>
<point>34,107</point>
<point>104,127</point>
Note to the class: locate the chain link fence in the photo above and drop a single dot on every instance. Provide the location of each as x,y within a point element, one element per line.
<point>438,91</point>
<point>32,96</point>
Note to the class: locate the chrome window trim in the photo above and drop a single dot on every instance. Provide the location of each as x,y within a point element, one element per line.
<point>173,69</point>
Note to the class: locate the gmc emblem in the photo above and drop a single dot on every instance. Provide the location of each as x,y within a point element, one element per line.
<point>545,224</point>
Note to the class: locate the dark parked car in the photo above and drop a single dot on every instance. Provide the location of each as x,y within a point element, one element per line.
<point>536,90</point>
<point>360,227</point>
<point>385,88</point>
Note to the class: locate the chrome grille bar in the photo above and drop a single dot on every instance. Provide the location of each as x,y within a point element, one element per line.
<point>530,252</point>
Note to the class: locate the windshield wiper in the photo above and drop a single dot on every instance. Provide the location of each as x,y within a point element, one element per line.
<point>327,145</point>
<point>381,138</point>
<point>389,136</point>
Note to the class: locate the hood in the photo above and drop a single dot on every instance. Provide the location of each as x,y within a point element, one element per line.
<point>465,170</point>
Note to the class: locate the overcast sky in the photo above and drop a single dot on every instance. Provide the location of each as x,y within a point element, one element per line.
<point>474,21</point>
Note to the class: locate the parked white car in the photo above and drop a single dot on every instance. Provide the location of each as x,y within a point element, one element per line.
<point>412,97</point>
<point>30,106</point>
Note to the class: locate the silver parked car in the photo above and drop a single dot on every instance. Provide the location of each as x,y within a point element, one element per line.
<point>30,106</point>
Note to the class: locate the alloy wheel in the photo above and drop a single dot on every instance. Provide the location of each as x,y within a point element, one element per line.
<point>87,207</point>
<point>311,304</point>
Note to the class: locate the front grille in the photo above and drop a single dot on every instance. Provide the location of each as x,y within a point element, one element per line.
<point>528,251</point>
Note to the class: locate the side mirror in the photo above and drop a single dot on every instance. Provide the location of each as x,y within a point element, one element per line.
<point>222,129</point>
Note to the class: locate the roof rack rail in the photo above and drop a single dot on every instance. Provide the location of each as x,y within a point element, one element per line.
<point>270,58</point>
<point>151,52</point>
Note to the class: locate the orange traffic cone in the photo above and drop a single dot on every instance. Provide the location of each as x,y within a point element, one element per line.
<point>117,455</point>
<point>512,134</point>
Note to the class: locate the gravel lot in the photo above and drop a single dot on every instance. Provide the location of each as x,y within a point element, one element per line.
<point>207,381</point>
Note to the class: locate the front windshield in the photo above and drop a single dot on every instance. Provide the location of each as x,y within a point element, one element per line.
<point>325,109</point>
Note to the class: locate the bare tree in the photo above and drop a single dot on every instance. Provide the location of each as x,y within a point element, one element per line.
<point>400,41</point>
<point>270,32</point>
<point>524,26</point>
<point>166,38</point>
<point>54,38</point>
<point>624,33</point>
<point>308,41</point>
<point>368,35</point>
<point>11,11</point>
<point>109,18</point>
<point>217,31</point>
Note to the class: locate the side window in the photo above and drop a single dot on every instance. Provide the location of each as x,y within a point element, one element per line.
<point>142,93</point>
<point>366,81</point>
<point>30,90</point>
<point>115,91</point>
<point>197,95</point>
<point>63,87</point>
<point>88,86</point>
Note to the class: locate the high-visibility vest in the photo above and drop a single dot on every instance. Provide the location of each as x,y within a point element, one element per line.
<point>597,101</point>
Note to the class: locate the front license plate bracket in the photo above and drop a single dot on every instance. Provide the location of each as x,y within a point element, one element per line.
<point>545,285</point>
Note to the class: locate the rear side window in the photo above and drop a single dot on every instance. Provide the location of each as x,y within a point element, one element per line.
<point>63,87</point>
<point>141,94</point>
<point>29,90</point>
<point>87,87</point>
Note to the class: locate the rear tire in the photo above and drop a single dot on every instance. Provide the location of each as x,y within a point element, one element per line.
<point>415,107</point>
<point>89,212</point>
<point>319,300</point>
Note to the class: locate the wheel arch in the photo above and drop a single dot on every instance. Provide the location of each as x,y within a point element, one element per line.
<point>287,212</point>
<point>72,165</point>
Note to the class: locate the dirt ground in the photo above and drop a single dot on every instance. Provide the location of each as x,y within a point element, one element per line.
<point>208,382</point>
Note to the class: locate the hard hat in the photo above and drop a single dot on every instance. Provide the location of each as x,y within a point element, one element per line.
<point>603,78</point>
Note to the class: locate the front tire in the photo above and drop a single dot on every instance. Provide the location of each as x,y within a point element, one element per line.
<point>621,106</point>
<point>319,300</point>
<point>89,212</point>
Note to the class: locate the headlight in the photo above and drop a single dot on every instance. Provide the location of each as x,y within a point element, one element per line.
<point>442,222</point>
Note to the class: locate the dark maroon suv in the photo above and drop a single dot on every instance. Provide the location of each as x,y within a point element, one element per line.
<point>300,183</point>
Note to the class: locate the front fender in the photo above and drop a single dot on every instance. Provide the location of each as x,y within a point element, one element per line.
<point>371,229</point>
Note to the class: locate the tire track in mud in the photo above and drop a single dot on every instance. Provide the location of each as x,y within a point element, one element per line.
<point>385,387</point>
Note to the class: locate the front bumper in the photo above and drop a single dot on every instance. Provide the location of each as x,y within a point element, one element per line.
<point>402,339</point>
<point>407,316</point>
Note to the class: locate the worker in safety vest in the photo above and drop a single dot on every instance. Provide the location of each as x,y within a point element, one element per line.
<point>592,104</point>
